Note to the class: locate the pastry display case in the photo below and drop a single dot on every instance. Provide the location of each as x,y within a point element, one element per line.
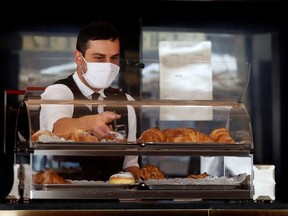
<point>195,161</point>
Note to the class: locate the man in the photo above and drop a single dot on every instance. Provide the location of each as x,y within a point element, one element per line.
<point>97,56</point>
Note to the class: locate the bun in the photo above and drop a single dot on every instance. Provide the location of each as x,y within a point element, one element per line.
<point>49,177</point>
<point>82,135</point>
<point>221,135</point>
<point>122,178</point>
<point>45,136</point>
<point>113,136</point>
<point>151,172</point>
<point>152,135</point>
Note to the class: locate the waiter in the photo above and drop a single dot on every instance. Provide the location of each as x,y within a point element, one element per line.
<point>97,57</point>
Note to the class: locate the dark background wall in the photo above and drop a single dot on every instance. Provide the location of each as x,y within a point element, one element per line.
<point>36,16</point>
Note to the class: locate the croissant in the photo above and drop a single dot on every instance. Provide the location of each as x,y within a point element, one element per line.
<point>203,138</point>
<point>173,135</point>
<point>199,176</point>
<point>221,135</point>
<point>82,135</point>
<point>151,172</point>
<point>206,139</point>
<point>152,135</point>
<point>49,177</point>
<point>185,135</point>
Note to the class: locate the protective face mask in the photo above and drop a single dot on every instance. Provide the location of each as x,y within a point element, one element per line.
<point>100,75</point>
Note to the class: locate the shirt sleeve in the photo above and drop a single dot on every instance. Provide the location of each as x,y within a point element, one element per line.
<point>132,120</point>
<point>130,161</point>
<point>50,113</point>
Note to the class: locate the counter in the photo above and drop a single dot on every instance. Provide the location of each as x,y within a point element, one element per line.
<point>142,208</point>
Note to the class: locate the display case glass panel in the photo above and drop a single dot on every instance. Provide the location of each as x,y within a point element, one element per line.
<point>177,157</point>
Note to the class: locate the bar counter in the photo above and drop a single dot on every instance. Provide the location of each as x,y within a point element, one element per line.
<point>127,208</point>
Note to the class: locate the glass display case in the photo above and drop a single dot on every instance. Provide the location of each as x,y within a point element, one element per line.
<point>196,99</point>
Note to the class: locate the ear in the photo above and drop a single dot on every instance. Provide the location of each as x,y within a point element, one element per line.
<point>77,57</point>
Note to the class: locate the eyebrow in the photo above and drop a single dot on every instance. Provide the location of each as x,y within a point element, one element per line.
<point>103,55</point>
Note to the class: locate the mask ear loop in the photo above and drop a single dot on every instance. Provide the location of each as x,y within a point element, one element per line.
<point>83,58</point>
<point>83,74</point>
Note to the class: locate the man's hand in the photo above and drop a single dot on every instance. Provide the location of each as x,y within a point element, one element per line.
<point>98,124</point>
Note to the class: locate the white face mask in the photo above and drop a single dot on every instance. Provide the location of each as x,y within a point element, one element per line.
<point>100,75</point>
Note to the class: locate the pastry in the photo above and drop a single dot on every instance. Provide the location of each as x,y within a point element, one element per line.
<point>49,177</point>
<point>122,178</point>
<point>199,176</point>
<point>197,136</point>
<point>173,135</point>
<point>82,135</point>
<point>221,135</point>
<point>151,172</point>
<point>152,135</point>
<point>45,136</point>
<point>113,136</point>
<point>185,135</point>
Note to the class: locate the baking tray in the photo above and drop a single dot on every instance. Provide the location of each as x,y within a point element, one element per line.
<point>207,183</point>
<point>73,185</point>
<point>193,187</point>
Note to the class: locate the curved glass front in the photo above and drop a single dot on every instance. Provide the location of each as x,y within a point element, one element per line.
<point>172,93</point>
<point>169,78</point>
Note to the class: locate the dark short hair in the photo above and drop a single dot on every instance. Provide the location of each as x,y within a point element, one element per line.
<point>97,30</point>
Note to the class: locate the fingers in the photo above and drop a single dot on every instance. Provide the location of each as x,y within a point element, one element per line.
<point>101,130</point>
<point>100,127</point>
<point>109,116</point>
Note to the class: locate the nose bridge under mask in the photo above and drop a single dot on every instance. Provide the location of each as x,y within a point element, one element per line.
<point>100,67</point>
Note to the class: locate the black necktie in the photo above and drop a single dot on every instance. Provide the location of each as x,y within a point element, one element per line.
<point>95,96</point>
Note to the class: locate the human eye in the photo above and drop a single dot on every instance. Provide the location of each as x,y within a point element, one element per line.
<point>99,58</point>
<point>115,59</point>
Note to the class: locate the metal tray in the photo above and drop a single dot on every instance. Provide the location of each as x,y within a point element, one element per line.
<point>207,183</point>
<point>193,187</point>
<point>97,185</point>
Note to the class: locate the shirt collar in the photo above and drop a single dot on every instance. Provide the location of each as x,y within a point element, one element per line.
<point>85,90</point>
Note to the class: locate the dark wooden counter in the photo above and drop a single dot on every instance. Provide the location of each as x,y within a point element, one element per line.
<point>160,208</point>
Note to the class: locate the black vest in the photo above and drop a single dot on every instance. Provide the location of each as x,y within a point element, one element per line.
<point>99,167</point>
<point>112,94</point>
